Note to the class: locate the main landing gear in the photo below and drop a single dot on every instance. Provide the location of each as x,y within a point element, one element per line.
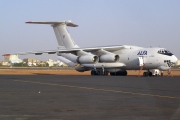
<point>102,73</point>
<point>105,73</point>
<point>119,73</point>
<point>148,73</point>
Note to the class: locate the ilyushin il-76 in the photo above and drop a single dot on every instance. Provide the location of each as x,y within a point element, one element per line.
<point>113,60</point>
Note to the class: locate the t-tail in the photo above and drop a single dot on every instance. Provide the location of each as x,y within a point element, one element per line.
<point>63,37</point>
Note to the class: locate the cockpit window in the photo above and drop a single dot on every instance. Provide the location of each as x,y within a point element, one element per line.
<point>165,52</point>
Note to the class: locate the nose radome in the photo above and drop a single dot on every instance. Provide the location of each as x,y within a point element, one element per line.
<point>175,59</point>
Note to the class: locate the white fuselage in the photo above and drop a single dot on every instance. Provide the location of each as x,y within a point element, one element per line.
<point>151,58</point>
<point>129,60</point>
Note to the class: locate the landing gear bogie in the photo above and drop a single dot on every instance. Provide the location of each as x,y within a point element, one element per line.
<point>147,74</point>
<point>119,73</point>
<point>99,73</point>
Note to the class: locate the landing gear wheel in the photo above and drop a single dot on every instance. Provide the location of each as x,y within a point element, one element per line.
<point>150,74</point>
<point>100,73</point>
<point>119,73</point>
<point>112,74</point>
<point>124,73</point>
<point>146,74</point>
<point>93,72</point>
<point>106,72</point>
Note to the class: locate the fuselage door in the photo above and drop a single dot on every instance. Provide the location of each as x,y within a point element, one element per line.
<point>141,61</point>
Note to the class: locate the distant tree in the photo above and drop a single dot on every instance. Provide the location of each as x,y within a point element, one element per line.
<point>19,64</point>
<point>47,65</point>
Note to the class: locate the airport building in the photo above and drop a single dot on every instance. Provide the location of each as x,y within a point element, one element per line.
<point>55,63</point>
<point>30,61</point>
<point>11,59</point>
<point>178,63</point>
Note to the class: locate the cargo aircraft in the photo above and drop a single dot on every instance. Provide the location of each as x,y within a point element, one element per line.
<point>115,60</point>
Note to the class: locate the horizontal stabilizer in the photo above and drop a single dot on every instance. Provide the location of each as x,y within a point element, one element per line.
<point>68,23</point>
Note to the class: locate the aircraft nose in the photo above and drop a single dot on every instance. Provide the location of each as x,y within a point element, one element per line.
<point>174,58</point>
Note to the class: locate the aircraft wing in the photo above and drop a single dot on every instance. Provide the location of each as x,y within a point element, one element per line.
<point>72,50</point>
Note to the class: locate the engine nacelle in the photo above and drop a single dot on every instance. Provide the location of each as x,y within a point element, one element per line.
<point>109,58</point>
<point>87,59</point>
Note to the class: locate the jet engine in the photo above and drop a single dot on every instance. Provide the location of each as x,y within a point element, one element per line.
<point>87,59</point>
<point>109,58</point>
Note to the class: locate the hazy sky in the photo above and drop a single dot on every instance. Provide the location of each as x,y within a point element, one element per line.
<point>101,23</point>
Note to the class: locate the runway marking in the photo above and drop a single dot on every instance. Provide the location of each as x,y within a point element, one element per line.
<point>99,89</point>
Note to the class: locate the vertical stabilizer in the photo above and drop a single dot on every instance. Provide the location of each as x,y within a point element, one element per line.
<point>63,37</point>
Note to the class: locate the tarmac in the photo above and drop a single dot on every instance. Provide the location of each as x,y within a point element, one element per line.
<point>61,97</point>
